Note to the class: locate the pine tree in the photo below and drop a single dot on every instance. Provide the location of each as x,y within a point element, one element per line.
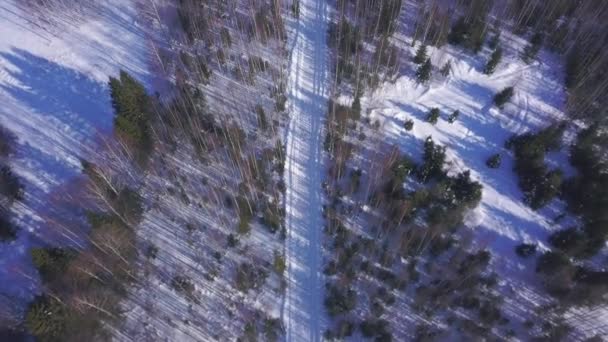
<point>408,124</point>
<point>454,116</point>
<point>8,232</point>
<point>421,55</point>
<point>532,49</point>
<point>131,104</point>
<point>493,62</point>
<point>503,97</point>
<point>433,116</point>
<point>494,161</point>
<point>46,319</point>
<point>423,74</point>
<point>447,67</point>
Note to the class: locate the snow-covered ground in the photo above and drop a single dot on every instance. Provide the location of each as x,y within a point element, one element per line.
<point>54,71</point>
<point>502,220</point>
<point>303,312</point>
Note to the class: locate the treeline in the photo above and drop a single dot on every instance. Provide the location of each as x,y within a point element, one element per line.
<point>83,288</point>
<point>83,284</point>
<point>11,187</point>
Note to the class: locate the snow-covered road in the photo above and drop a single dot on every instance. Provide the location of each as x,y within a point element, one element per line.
<point>303,311</point>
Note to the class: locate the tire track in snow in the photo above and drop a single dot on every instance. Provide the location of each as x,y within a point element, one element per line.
<point>302,310</point>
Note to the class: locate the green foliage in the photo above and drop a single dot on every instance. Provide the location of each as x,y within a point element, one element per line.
<point>433,116</point>
<point>503,96</point>
<point>583,193</point>
<point>421,55</point>
<point>469,33</point>
<point>532,49</point>
<point>538,183</point>
<point>132,107</point>
<point>433,160</point>
<point>423,74</point>
<point>279,263</point>
<point>494,161</point>
<point>249,277</point>
<point>465,190</point>
<point>493,61</point>
<point>454,116</point>
<point>245,214</point>
<point>51,263</point>
<point>339,301</point>
<point>46,319</point>
<point>408,124</point>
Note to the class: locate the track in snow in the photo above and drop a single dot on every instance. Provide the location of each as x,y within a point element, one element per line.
<point>303,311</point>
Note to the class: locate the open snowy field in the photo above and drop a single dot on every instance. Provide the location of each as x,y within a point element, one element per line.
<point>53,88</point>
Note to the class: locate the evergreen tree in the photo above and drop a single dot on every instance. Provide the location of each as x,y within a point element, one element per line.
<point>423,74</point>
<point>532,49</point>
<point>503,96</point>
<point>7,230</point>
<point>459,32</point>
<point>408,124</point>
<point>494,161</point>
<point>454,116</point>
<point>132,107</point>
<point>10,185</point>
<point>433,160</point>
<point>433,116</point>
<point>447,67</point>
<point>46,319</point>
<point>421,54</point>
<point>493,62</point>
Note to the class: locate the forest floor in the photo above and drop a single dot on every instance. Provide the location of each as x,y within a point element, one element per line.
<point>303,311</point>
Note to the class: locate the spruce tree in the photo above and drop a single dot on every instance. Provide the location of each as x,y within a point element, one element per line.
<point>532,49</point>
<point>447,67</point>
<point>423,74</point>
<point>46,319</point>
<point>421,55</point>
<point>494,161</point>
<point>454,116</point>
<point>408,124</point>
<point>503,97</point>
<point>433,116</point>
<point>131,104</point>
<point>493,61</point>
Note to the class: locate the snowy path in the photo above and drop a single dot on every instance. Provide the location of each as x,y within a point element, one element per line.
<point>303,311</point>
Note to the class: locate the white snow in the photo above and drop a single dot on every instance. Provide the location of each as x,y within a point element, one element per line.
<point>54,95</point>
<point>303,311</point>
<point>502,220</point>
